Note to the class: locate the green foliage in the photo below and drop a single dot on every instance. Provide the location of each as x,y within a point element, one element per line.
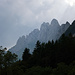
<point>1,58</point>
<point>26,54</point>
<point>6,60</point>
<point>38,71</point>
<point>9,58</point>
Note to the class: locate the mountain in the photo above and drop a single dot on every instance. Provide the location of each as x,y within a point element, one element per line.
<point>47,32</point>
<point>71,29</point>
<point>64,27</point>
<point>25,42</point>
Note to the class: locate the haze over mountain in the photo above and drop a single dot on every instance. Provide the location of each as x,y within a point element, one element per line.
<point>47,32</point>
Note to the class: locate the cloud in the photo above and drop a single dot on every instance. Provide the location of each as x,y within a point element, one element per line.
<point>19,17</point>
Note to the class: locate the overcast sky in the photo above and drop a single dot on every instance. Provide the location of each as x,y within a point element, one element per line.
<point>20,17</point>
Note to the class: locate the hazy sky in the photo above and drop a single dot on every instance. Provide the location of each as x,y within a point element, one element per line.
<point>20,17</point>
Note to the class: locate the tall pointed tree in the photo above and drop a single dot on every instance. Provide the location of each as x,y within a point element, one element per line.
<point>26,54</point>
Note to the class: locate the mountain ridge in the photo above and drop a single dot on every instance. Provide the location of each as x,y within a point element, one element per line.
<point>47,32</point>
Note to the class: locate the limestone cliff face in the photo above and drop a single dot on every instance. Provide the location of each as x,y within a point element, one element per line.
<point>47,32</point>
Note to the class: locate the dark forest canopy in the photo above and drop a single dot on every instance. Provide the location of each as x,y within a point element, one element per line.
<point>52,58</point>
<point>51,53</point>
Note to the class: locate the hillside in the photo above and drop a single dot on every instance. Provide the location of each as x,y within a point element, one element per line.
<point>71,29</point>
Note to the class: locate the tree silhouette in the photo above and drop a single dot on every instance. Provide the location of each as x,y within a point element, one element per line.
<point>26,55</point>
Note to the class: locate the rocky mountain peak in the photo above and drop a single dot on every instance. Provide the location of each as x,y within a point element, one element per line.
<point>44,26</point>
<point>21,39</point>
<point>67,23</point>
<point>54,22</point>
